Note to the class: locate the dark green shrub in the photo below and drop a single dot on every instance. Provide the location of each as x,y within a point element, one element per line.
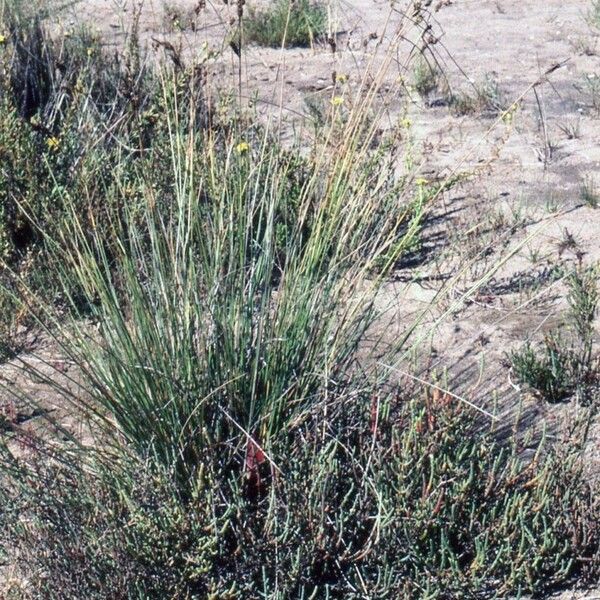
<point>565,366</point>
<point>551,372</point>
<point>421,504</point>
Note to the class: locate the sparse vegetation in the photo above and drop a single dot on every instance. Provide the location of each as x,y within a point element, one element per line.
<point>571,128</point>
<point>217,295</point>
<point>589,88</point>
<point>566,366</point>
<point>178,17</point>
<point>426,75</point>
<point>286,23</point>
<point>594,14</point>
<point>589,193</point>
<point>486,99</point>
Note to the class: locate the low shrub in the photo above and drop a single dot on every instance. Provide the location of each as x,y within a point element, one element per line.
<point>552,372</point>
<point>419,502</point>
<point>427,76</point>
<point>565,367</point>
<point>73,121</point>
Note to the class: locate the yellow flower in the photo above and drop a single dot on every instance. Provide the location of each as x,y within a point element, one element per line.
<point>509,115</point>
<point>406,123</point>
<point>90,51</point>
<point>421,181</point>
<point>341,78</point>
<point>337,101</point>
<point>2,38</point>
<point>242,147</point>
<point>52,143</point>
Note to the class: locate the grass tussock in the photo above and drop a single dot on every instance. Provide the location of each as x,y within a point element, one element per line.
<point>588,192</point>
<point>214,291</point>
<point>426,75</point>
<point>286,23</point>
